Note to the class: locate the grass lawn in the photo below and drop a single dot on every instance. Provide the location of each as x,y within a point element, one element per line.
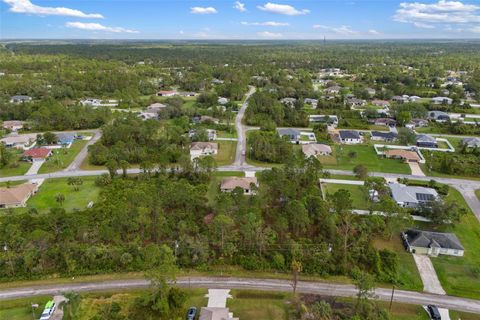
<point>356,194</point>
<point>12,183</point>
<point>225,134</point>
<point>365,154</point>
<point>21,309</point>
<point>61,158</point>
<point>45,197</point>
<point>477,192</point>
<point>258,305</point>
<point>408,276</point>
<point>226,152</point>
<point>460,276</point>
<point>86,165</point>
<point>20,167</point>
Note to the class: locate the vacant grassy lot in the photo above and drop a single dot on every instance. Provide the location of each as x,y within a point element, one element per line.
<point>258,305</point>
<point>408,276</point>
<point>61,158</point>
<point>356,194</point>
<point>226,152</point>
<point>45,198</point>
<point>346,157</point>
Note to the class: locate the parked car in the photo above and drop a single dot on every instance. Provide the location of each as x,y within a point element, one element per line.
<point>434,313</point>
<point>191,313</point>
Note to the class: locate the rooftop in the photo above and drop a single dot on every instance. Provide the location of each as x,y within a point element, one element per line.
<point>427,239</point>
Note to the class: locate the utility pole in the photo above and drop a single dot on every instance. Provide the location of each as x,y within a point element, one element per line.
<point>391,298</point>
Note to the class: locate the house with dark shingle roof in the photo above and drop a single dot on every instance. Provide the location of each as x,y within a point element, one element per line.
<point>350,137</point>
<point>385,136</point>
<point>426,141</point>
<point>432,243</point>
<point>473,142</point>
<point>292,134</point>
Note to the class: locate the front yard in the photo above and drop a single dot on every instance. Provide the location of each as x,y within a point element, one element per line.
<point>61,158</point>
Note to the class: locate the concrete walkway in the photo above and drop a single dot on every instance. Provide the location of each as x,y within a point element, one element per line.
<point>340,181</point>
<point>427,272</point>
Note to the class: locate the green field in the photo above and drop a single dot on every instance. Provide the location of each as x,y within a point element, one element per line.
<point>364,154</point>
<point>61,158</point>
<point>226,152</point>
<point>356,194</point>
<point>18,168</point>
<point>45,197</point>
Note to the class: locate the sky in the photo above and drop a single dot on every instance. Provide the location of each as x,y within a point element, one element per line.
<point>231,20</point>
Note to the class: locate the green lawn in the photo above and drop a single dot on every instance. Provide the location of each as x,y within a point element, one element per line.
<point>226,152</point>
<point>225,134</point>
<point>17,168</point>
<point>364,154</point>
<point>460,276</point>
<point>408,276</point>
<point>477,192</point>
<point>356,194</point>
<point>258,305</point>
<point>12,183</point>
<point>61,158</point>
<point>21,309</point>
<point>45,197</point>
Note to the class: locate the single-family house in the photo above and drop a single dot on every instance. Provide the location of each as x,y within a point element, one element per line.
<point>22,141</point>
<point>13,125</point>
<point>432,243</point>
<point>65,139</point>
<point>17,196</point>
<point>20,99</point>
<point>385,136</point>
<point>473,142</point>
<point>167,93</point>
<point>198,149</point>
<point>407,155</point>
<point>381,103</point>
<point>438,115</point>
<point>222,100</point>
<point>354,102</point>
<point>350,137</point>
<point>217,81</point>
<point>399,99</point>
<point>412,196</point>
<point>247,184</point>
<point>414,98</point>
<point>188,94</point>
<point>312,102</point>
<point>290,102</point>
<point>36,154</point>
<point>292,134</point>
<point>91,102</point>
<point>316,149</point>
<point>416,123</point>
<point>328,119</point>
<point>383,122</point>
<point>216,313</point>
<point>426,141</point>
<point>371,92</point>
<point>333,90</point>
<point>442,100</point>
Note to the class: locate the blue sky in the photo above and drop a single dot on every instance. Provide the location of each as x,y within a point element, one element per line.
<point>225,19</point>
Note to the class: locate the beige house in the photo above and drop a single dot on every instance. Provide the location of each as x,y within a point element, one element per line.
<point>316,149</point>
<point>215,313</point>
<point>198,149</point>
<point>22,141</point>
<point>246,183</point>
<point>408,156</point>
<point>17,196</point>
<point>432,243</point>
<point>13,125</point>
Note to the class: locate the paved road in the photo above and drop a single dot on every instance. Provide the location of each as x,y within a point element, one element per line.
<point>82,155</point>
<point>327,289</point>
<point>241,132</point>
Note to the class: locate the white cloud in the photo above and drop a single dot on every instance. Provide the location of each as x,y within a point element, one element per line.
<point>374,32</point>
<point>475,29</point>
<point>343,30</point>
<point>422,25</point>
<point>266,24</point>
<point>441,12</point>
<point>269,35</point>
<point>97,27</point>
<point>181,32</point>
<point>203,10</point>
<point>283,9</point>
<point>26,6</point>
<point>239,6</point>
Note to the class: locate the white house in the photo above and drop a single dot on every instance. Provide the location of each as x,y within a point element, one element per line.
<point>442,100</point>
<point>316,149</point>
<point>350,137</point>
<point>198,149</point>
<point>412,196</point>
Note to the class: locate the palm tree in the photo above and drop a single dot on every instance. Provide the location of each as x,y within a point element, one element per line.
<point>60,198</point>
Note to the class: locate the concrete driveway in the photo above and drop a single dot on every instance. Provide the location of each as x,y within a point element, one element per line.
<point>35,167</point>
<point>416,171</point>
<point>427,273</point>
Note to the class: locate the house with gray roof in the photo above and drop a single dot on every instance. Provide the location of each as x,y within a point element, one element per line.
<point>350,137</point>
<point>442,100</point>
<point>385,136</point>
<point>20,99</point>
<point>292,134</point>
<point>432,243</point>
<point>438,115</point>
<point>412,196</point>
<point>473,142</point>
<point>426,141</point>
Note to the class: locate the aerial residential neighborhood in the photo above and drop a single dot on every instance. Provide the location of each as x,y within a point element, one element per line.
<point>228,160</point>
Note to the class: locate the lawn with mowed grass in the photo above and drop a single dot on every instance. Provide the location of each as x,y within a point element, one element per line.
<point>226,152</point>
<point>477,192</point>
<point>259,305</point>
<point>356,194</point>
<point>460,276</point>
<point>346,157</point>
<point>61,158</point>
<point>16,168</point>
<point>20,309</point>
<point>45,198</point>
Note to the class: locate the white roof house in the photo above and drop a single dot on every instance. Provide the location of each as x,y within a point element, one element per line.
<point>316,149</point>
<point>198,149</point>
